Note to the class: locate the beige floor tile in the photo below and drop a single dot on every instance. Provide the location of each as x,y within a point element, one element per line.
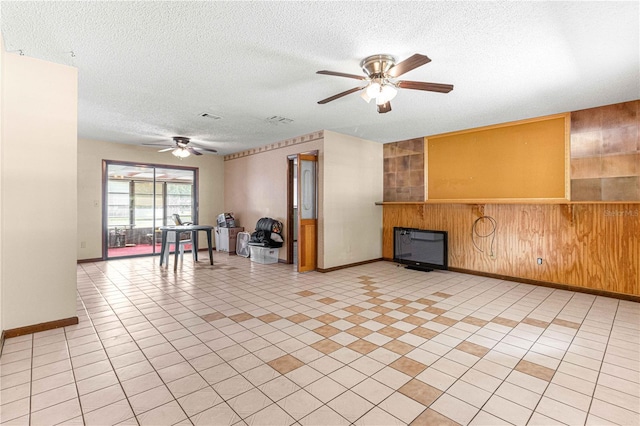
<point>53,397</point>
<point>430,417</point>
<point>14,410</point>
<point>347,376</point>
<point>15,393</point>
<point>377,416</point>
<point>221,414</point>
<point>455,409</point>
<point>324,416</point>
<point>561,412</point>
<point>350,406</point>
<point>186,385</point>
<point>58,413</point>
<point>299,404</point>
<point>279,388</point>
<point>615,397</point>
<point>271,415</point>
<point>112,414</point>
<point>507,410</point>
<point>249,403</point>
<point>402,407</point>
<point>100,398</point>
<point>166,414</point>
<point>327,364</point>
<point>469,393</point>
<point>613,413</point>
<point>150,399</point>
<point>485,419</point>
<point>325,389</point>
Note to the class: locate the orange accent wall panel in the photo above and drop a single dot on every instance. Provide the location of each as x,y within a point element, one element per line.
<point>512,161</point>
<point>595,246</point>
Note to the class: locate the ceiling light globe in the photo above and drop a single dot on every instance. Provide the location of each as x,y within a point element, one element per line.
<point>181,152</point>
<point>389,92</point>
<point>373,91</point>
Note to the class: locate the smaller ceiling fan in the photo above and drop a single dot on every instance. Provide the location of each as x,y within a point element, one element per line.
<point>182,149</point>
<point>381,73</point>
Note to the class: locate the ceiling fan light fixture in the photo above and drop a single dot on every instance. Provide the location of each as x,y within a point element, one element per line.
<point>373,90</point>
<point>388,92</point>
<point>381,79</point>
<point>181,152</point>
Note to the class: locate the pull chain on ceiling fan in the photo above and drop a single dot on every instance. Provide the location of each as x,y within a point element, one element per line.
<point>381,77</point>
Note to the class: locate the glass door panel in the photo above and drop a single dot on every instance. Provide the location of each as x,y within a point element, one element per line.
<point>129,210</point>
<point>139,199</point>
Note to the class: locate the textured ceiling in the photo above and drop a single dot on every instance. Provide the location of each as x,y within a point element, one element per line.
<point>147,70</point>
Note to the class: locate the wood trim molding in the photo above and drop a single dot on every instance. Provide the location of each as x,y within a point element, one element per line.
<point>1,343</point>
<point>350,265</point>
<point>97,259</point>
<point>43,326</point>
<point>595,292</point>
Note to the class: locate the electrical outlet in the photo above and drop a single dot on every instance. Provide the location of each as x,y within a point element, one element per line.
<point>539,261</point>
<point>83,244</point>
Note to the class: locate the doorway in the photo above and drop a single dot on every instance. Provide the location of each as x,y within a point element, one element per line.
<point>138,199</point>
<point>302,208</point>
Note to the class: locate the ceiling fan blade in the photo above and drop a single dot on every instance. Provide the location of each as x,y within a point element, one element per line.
<point>171,148</point>
<point>193,151</point>
<point>341,74</point>
<point>339,95</point>
<point>409,64</point>
<point>198,146</point>
<point>423,85</point>
<point>385,107</point>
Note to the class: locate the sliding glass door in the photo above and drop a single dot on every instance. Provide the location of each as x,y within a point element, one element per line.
<point>139,198</point>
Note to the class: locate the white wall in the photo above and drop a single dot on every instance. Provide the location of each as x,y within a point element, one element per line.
<point>350,177</point>
<point>256,186</point>
<point>89,166</point>
<point>353,178</point>
<point>38,187</point>
<point>1,144</point>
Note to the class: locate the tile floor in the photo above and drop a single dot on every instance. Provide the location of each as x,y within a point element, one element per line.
<point>243,343</point>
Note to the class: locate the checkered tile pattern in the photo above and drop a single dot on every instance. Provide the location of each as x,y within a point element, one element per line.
<point>245,343</point>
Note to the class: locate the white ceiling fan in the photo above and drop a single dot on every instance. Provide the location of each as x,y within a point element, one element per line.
<point>183,147</point>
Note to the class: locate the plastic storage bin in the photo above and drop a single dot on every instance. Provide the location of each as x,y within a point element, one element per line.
<point>264,254</point>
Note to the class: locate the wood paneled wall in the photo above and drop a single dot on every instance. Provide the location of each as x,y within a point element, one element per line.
<point>595,246</point>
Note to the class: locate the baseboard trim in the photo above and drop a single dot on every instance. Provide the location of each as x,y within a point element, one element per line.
<point>593,291</point>
<point>97,259</point>
<point>2,337</point>
<point>350,265</point>
<point>43,326</point>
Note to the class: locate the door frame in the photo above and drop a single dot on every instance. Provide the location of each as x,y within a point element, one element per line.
<point>105,196</point>
<point>291,218</point>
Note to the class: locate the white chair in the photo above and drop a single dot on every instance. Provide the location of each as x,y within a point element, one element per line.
<point>171,239</point>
